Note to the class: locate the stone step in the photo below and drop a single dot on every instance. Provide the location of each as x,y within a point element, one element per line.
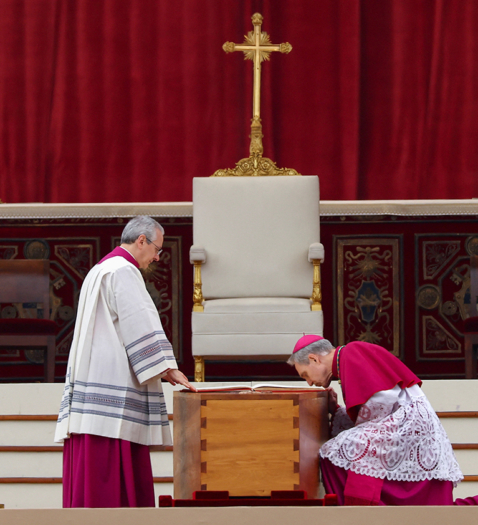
<point>49,464</point>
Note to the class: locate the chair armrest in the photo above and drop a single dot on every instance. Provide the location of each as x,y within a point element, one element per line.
<point>316,251</point>
<point>197,254</point>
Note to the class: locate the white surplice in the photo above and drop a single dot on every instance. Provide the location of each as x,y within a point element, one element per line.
<point>397,436</point>
<point>119,352</point>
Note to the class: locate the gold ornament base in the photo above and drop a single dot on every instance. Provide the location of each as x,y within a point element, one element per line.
<point>254,167</point>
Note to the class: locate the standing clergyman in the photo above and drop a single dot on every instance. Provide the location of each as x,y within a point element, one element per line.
<point>388,445</point>
<point>113,405</point>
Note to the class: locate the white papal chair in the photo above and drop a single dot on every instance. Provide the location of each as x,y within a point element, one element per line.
<point>257,256</point>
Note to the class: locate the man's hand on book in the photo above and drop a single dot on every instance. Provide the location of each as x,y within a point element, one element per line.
<point>175,377</point>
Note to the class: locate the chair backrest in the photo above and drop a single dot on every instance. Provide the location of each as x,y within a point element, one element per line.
<point>23,281</point>
<point>256,232</point>
<point>473,308</point>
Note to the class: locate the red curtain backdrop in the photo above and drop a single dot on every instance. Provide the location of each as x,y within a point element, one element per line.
<point>127,100</point>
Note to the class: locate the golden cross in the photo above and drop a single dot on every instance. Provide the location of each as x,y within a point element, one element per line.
<point>257,47</point>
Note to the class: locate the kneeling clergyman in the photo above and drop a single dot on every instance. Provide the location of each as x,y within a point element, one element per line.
<point>113,406</point>
<point>388,446</point>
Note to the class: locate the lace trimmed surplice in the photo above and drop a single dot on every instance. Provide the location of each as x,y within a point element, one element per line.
<point>397,436</point>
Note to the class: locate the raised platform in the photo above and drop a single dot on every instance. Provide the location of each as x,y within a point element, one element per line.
<point>246,516</point>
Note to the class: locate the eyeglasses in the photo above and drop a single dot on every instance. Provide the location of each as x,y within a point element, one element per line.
<point>158,248</point>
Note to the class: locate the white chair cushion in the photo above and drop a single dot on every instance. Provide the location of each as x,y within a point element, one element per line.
<point>256,305</point>
<point>256,232</point>
<point>252,334</point>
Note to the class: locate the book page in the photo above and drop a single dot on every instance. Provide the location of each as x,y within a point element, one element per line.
<point>258,387</point>
<point>273,386</point>
<point>223,388</point>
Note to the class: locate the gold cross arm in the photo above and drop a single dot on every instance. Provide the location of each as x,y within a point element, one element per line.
<point>230,47</point>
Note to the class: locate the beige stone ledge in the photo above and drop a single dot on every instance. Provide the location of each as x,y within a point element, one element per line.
<point>410,208</point>
<point>245,516</point>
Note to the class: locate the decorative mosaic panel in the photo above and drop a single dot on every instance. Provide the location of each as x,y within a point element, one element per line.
<point>70,260</point>
<point>368,290</point>
<point>443,296</point>
<point>425,313</point>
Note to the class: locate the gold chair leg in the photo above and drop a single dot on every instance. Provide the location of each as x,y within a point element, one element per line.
<point>199,369</point>
<point>198,297</point>
<point>317,289</point>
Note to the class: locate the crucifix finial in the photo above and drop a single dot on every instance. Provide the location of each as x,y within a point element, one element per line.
<point>257,47</point>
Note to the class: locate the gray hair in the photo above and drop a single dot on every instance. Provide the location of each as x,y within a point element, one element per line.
<point>301,357</point>
<point>140,225</point>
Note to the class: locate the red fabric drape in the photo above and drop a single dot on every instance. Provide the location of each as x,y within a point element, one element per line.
<point>106,100</point>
